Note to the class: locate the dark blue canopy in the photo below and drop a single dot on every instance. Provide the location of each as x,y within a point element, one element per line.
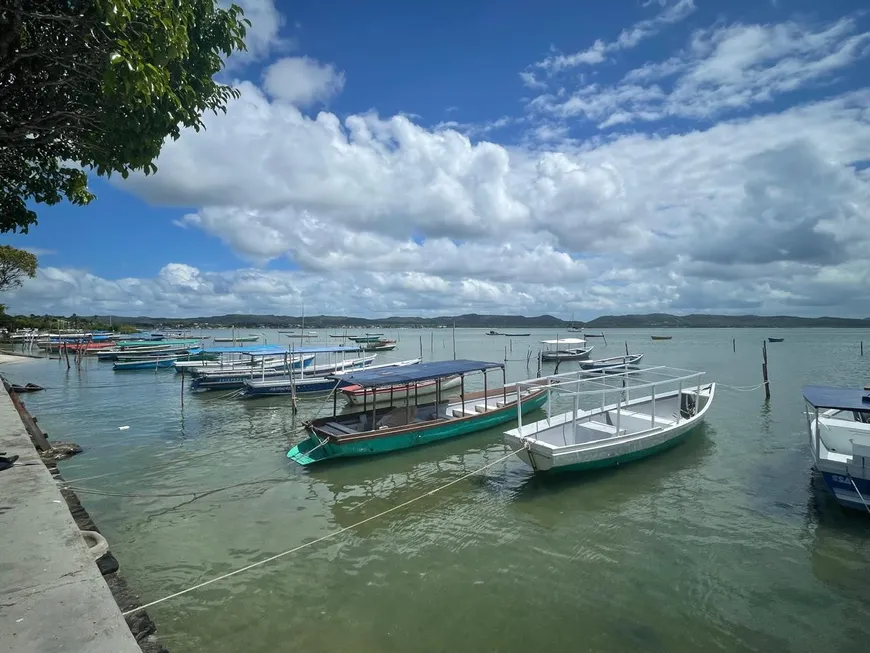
<point>822,396</point>
<point>414,373</point>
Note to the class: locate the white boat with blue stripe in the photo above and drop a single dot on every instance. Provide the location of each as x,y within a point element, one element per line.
<point>838,421</point>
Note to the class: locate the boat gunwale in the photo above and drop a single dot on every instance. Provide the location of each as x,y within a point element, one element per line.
<point>313,426</point>
<point>554,450</point>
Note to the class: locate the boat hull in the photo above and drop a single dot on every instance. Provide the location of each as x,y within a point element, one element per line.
<point>427,434</point>
<point>303,386</point>
<point>144,365</point>
<point>842,490</point>
<point>381,395</point>
<point>604,453</point>
<point>613,460</point>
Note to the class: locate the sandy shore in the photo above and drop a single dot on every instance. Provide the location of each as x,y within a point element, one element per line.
<point>11,359</point>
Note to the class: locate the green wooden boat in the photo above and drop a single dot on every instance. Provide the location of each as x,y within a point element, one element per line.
<point>379,428</point>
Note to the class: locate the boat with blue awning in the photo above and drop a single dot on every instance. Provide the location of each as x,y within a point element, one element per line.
<point>379,428</point>
<point>310,379</point>
<point>838,422</point>
<point>233,378</point>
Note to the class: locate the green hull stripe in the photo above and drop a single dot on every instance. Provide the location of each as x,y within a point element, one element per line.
<point>377,445</point>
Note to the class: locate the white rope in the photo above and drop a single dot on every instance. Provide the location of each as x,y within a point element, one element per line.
<point>744,388</point>
<point>320,539</point>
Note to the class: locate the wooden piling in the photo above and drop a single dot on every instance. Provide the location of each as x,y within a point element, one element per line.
<point>421,347</point>
<point>764,371</point>
<point>862,347</point>
<point>626,347</point>
<point>182,385</point>
<point>734,345</point>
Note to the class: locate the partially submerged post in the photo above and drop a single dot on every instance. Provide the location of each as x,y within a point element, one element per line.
<point>734,345</point>
<point>764,371</point>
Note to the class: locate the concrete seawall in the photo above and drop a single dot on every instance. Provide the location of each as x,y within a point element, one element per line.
<point>53,596</point>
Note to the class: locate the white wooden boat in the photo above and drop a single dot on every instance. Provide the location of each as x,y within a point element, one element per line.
<point>359,395</point>
<point>611,363</point>
<point>565,349</point>
<point>838,421</point>
<point>613,419</point>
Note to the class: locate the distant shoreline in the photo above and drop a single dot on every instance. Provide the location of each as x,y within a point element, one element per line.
<point>336,323</point>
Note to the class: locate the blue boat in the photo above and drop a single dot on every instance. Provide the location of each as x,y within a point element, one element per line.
<point>838,422</point>
<point>311,379</point>
<point>152,364</point>
<point>383,428</point>
<point>215,378</point>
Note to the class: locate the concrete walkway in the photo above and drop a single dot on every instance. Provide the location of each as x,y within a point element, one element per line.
<point>52,595</point>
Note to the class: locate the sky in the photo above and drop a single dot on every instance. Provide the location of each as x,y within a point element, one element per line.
<point>575,158</point>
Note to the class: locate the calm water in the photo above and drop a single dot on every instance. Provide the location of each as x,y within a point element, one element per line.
<point>721,543</point>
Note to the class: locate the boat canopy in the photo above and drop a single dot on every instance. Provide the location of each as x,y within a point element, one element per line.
<point>821,396</point>
<point>564,341</point>
<point>157,343</point>
<point>415,373</point>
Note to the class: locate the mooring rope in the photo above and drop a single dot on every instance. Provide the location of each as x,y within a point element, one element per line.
<point>260,563</point>
<point>744,388</point>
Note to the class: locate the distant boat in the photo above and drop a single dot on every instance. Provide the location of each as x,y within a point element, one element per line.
<point>380,345</point>
<point>661,337</point>
<point>155,364</point>
<point>250,338</point>
<point>494,333</point>
<point>565,349</point>
<point>775,339</point>
<point>593,335</point>
<point>614,362</point>
<point>516,335</point>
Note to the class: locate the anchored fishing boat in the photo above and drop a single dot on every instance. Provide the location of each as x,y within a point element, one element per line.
<point>230,358</point>
<point>234,379</point>
<point>380,345</point>
<point>611,363</point>
<point>516,335</point>
<point>661,337</point>
<point>234,339</point>
<point>775,339</point>
<point>359,395</point>
<point>318,379</point>
<point>151,364</point>
<point>375,430</point>
<point>615,418</point>
<point>565,349</point>
<point>838,422</point>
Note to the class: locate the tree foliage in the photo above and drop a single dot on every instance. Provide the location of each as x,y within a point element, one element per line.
<point>99,85</point>
<point>14,264</point>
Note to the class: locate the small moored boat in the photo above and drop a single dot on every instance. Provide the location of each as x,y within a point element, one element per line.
<point>151,364</point>
<point>516,335</point>
<point>234,339</point>
<point>565,349</point>
<point>775,339</point>
<point>661,337</point>
<point>615,418</point>
<point>382,429</point>
<point>838,422</point>
<point>359,395</point>
<point>612,363</point>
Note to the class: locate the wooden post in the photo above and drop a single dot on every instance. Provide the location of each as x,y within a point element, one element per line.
<point>454,339</point>
<point>182,387</point>
<point>734,345</point>
<point>862,347</point>
<point>421,347</point>
<point>764,371</point>
<point>626,347</point>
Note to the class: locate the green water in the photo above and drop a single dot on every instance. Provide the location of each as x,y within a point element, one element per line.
<point>719,544</point>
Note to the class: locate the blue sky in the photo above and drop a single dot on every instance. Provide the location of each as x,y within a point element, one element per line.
<point>563,158</point>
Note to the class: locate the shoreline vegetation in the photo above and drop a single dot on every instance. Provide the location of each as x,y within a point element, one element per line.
<point>472,320</point>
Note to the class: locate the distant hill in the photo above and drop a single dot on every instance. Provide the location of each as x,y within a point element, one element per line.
<point>700,321</point>
<point>470,320</point>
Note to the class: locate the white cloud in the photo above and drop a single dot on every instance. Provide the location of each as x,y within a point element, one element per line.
<point>764,213</point>
<point>302,81</point>
<point>723,69</point>
<point>263,36</point>
<point>627,39</point>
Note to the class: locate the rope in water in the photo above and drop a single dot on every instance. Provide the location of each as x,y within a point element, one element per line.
<point>744,388</point>
<point>319,539</point>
